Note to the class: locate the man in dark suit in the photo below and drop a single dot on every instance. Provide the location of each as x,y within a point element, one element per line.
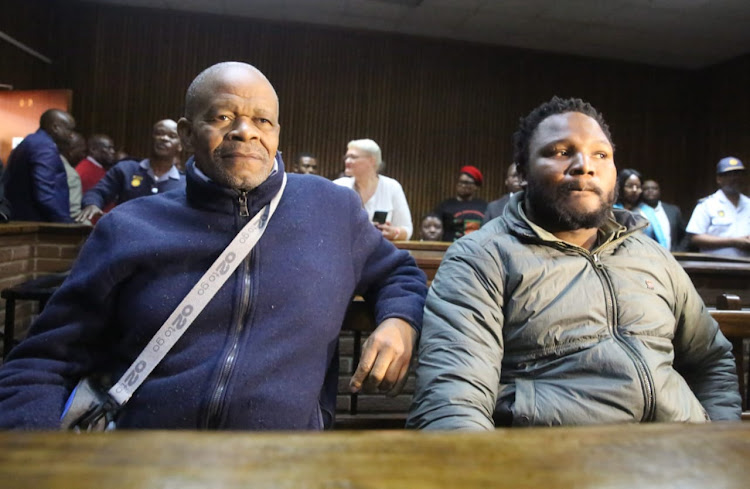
<point>669,216</point>
<point>36,184</point>
<point>513,184</point>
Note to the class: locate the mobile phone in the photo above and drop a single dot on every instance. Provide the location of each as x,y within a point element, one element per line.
<point>379,217</point>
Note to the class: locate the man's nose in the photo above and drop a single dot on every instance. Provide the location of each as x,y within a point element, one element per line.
<point>582,165</point>
<point>243,129</point>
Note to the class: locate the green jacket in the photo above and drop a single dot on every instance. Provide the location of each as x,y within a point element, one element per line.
<point>521,328</point>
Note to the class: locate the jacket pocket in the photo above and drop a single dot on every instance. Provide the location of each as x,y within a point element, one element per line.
<point>524,406</point>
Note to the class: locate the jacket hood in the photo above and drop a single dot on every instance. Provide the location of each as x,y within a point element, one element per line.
<point>217,198</point>
<point>627,222</point>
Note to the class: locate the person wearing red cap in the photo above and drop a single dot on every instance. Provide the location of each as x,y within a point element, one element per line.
<point>463,213</point>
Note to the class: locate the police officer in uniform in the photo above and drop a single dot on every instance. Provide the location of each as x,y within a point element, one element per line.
<point>720,224</point>
<point>129,179</point>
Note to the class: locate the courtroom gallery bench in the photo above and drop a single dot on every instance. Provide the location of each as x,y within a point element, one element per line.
<point>647,456</point>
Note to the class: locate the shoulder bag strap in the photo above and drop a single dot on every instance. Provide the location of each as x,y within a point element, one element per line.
<point>192,305</point>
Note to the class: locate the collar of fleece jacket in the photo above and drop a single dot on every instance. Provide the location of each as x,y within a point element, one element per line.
<point>213,197</point>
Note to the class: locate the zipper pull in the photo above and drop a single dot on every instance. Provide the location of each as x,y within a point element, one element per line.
<point>243,204</point>
<point>597,262</point>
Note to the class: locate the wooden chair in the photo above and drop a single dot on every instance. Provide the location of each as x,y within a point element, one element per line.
<point>39,289</point>
<point>735,324</point>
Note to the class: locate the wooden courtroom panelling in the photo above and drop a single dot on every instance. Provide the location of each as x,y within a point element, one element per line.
<point>727,122</point>
<point>713,455</point>
<point>432,105</point>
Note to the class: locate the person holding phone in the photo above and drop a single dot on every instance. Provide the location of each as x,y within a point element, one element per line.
<point>382,197</point>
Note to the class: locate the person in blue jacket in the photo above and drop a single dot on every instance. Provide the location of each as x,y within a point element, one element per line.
<point>261,355</point>
<point>36,184</point>
<point>129,179</point>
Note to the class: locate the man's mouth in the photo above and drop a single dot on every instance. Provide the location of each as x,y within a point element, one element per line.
<point>576,187</point>
<point>241,155</point>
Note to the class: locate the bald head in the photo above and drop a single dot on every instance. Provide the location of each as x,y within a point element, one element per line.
<point>53,116</point>
<point>220,75</point>
<point>58,124</point>
<point>231,125</point>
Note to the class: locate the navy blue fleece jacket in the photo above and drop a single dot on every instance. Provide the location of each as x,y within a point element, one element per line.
<point>126,181</point>
<point>257,356</point>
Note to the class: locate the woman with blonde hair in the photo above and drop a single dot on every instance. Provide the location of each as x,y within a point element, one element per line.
<point>382,197</point>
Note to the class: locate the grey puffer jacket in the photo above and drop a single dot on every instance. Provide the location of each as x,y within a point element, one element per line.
<point>521,328</point>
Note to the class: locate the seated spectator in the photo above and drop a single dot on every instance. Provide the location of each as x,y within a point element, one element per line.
<point>36,184</point>
<point>668,217</point>
<point>130,179</point>
<point>262,354</point>
<point>74,149</point>
<point>431,228</point>
<point>630,192</point>
<point>100,159</point>
<point>306,164</point>
<point>720,224</point>
<point>513,184</point>
<point>463,213</point>
<point>560,312</point>
<point>380,195</point>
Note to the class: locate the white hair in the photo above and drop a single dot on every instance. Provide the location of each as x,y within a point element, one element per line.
<point>370,147</point>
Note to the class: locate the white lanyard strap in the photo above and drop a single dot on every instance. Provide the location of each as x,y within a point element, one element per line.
<point>193,303</point>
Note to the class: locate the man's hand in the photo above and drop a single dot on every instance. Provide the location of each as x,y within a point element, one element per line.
<point>386,354</point>
<point>88,213</point>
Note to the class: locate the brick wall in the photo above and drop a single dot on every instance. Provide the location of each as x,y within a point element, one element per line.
<point>30,250</point>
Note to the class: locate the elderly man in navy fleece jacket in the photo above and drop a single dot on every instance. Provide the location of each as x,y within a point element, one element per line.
<point>260,355</point>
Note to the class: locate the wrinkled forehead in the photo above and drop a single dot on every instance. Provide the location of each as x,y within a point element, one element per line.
<point>166,125</point>
<point>239,82</point>
<point>569,125</point>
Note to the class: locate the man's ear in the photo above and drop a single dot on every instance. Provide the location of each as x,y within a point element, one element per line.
<point>185,130</point>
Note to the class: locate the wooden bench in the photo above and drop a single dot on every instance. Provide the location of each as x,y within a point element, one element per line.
<point>735,324</point>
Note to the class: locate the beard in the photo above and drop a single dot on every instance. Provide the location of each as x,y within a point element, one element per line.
<point>555,214</point>
<point>223,175</point>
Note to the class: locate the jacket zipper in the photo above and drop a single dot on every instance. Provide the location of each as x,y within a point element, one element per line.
<point>218,397</point>
<point>242,199</point>
<point>647,384</point>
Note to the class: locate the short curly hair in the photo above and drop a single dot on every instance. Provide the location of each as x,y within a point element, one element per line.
<point>556,105</point>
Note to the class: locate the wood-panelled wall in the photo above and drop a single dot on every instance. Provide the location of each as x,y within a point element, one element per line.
<point>432,105</point>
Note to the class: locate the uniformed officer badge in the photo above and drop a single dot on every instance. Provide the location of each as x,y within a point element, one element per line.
<point>721,213</point>
<point>136,181</point>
